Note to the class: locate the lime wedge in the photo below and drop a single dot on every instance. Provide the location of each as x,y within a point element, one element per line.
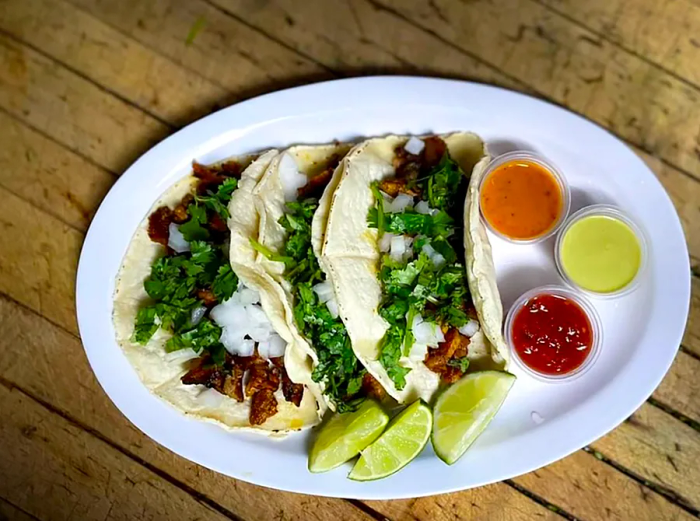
<point>464,410</point>
<point>400,443</point>
<point>345,435</point>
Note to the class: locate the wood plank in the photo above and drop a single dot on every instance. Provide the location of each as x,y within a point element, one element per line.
<point>72,110</point>
<point>364,40</point>
<point>51,177</point>
<point>590,489</point>
<point>68,384</point>
<point>492,503</point>
<point>225,51</point>
<point>665,33</point>
<point>659,447</point>
<point>11,513</point>
<point>55,470</point>
<point>570,64</point>
<point>112,59</point>
<point>39,259</point>
<point>527,42</point>
<point>680,389</point>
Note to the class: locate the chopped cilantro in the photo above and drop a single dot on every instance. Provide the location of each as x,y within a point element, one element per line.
<point>461,363</point>
<point>416,286</point>
<point>338,369</point>
<point>204,336</point>
<point>225,283</point>
<point>193,230</point>
<point>442,183</point>
<point>146,325</point>
<point>218,201</point>
<point>176,280</point>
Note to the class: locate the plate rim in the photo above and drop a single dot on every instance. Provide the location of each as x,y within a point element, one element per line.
<point>405,86</point>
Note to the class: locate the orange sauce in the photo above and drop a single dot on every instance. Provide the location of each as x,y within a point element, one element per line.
<point>521,200</point>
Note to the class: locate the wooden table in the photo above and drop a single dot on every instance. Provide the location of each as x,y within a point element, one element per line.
<point>86,86</point>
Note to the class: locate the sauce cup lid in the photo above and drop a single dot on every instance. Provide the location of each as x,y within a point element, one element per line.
<point>588,309</point>
<point>530,157</point>
<point>614,212</point>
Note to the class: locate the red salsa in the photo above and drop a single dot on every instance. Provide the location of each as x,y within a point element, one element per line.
<point>552,335</point>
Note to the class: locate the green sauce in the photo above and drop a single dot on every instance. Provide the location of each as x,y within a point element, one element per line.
<point>601,254</point>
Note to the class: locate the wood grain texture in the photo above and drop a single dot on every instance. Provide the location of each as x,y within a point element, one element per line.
<point>492,503</point>
<point>39,260</point>
<point>665,33</point>
<point>691,340</point>
<point>77,113</point>
<point>680,388</point>
<point>54,470</point>
<point>572,66</point>
<point>51,365</point>
<point>225,51</point>
<point>113,60</point>
<point>589,489</point>
<point>49,176</point>
<point>653,443</point>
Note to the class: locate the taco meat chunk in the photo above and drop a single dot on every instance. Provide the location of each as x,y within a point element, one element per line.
<point>158,225</point>
<point>233,386</point>
<point>454,347</point>
<point>372,387</point>
<point>316,184</point>
<point>263,406</point>
<point>292,392</point>
<point>207,297</point>
<point>203,373</point>
<point>398,185</point>
<point>262,376</point>
<point>180,214</point>
<point>433,151</point>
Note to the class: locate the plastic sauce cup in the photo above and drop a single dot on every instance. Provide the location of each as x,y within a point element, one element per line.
<point>508,196</point>
<point>582,305</point>
<point>601,251</point>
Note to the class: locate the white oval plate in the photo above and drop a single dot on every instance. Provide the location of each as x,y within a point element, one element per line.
<point>539,423</point>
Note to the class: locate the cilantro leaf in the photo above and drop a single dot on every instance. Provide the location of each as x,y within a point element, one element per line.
<point>390,350</point>
<point>193,230</point>
<point>205,335</point>
<point>218,201</point>
<point>442,183</point>
<point>225,283</point>
<point>461,363</point>
<point>146,325</point>
<point>376,214</point>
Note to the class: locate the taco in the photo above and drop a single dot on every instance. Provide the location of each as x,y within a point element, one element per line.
<point>293,200</point>
<point>204,333</point>
<point>411,264</point>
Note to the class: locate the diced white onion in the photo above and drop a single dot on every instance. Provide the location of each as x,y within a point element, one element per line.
<point>418,351</point>
<point>436,258</point>
<point>424,208</point>
<point>332,306</point>
<point>176,241</point>
<point>247,296</point>
<point>181,355</point>
<point>470,328</point>
<point>290,177</point>
<point>385,242</point>
<point>414,145</point>
<point>324,290</point>
<point>386,200</point>
<point>197,315</point>
<point>399,204</point>
<point>243,321</point>
<point>235,344</point>
<point>428,333</point>
<point>400,248</point>
<point>211,398</point>
<point>273,347</point>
